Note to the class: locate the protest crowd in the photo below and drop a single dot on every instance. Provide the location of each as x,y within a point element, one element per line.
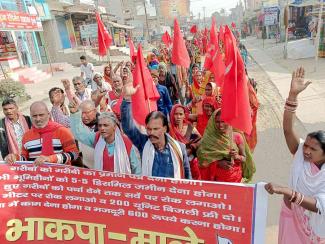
<point>169,115</point>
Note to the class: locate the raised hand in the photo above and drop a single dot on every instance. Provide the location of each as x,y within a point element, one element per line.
<point>66,84</point>
<point>129,90</point>
<point>73,105</point>
<point>298,83</point>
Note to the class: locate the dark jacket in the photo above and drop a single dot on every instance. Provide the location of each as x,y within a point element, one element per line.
<point>164,104</point>
<point>171,85</point>
<point>3,136</point>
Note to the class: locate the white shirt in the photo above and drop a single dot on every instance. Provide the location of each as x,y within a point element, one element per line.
<point>87,70</point>
<point>105,85</point>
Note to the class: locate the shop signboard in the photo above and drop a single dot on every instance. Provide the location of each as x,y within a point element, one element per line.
<point>138,31</point>
<point>53,203</point>
<point>19,21</point>
<point>271,16</point>
<point>89,34</point>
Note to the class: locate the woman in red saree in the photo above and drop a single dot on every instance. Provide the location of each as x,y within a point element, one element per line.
<point>222,158</point>
<point>183,131</point>
<point>209,104</point>
<point>108,74</point>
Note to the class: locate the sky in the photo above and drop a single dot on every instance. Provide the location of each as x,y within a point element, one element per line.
<point>210,6</point>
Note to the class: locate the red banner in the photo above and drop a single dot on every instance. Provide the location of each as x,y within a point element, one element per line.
<point>57,203</point>
<point>12,20</point>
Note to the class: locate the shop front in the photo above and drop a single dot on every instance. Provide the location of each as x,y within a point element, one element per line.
<point>18,45</point>
<point>120,33</point>
<point>300,19</point>
<point>83,23</point>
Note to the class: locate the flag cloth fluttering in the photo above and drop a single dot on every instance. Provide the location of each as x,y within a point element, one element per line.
<point>235,108</point>
<point>193,29</point>
<point>104,38</point>
<point>133,54</point>
<point>212,46</point>
<point>145,99</point>
<point>179,53</point>
<point>213,60</point>
<point>166,39</point>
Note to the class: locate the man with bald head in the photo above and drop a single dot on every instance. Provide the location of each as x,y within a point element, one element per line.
<point>46,141</point>
<point>88,115</point>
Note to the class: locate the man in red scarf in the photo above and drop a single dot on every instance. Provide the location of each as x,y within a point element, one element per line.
<point>12,128</point>
<point>46,141</point>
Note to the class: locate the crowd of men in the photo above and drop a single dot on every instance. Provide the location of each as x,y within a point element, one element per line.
<point>95,128</point>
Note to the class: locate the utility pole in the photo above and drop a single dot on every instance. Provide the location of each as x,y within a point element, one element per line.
<point>145,13</point>
<point>204,16</point>
<point>320,24</point>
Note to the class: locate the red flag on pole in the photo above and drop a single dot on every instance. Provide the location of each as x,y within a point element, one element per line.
<point>133,54</point>
<point>221,34</point>
<point>193,29</point>
<point>205,32</point>
<point>104,38</point>
<point>212,46</point>
<point>166,39</point>
<point>145,99</point>
<point>179,54</point>
<point>235,108</point>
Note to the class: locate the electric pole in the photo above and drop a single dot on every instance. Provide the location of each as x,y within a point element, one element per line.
<point>204,16</point>
<point>145,12</point>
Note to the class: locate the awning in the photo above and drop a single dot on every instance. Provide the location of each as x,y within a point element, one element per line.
<point>128,27</point>
<point>304,3</point>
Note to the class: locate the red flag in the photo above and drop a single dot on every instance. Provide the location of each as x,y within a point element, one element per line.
<point>218,67</point>
<point>104,38</point>
<point>233,25</point>
<point>205,32</point>
<point>133,54</point>
<point>235,108</point>
<point>179,54</point>
<point>144,100</point>
<point>221,34</point>
<point>166,39</point>
<point>193,29</point>
<point>212,46</point>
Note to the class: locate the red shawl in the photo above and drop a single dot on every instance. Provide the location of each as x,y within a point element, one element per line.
<point>173,131</point>
<point>202,119</point>
<point>46,134</point>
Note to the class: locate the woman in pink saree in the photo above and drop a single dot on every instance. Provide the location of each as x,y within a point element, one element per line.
<point>302,218</point>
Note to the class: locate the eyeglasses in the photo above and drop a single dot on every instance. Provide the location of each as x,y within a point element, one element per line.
<point>77,84</point>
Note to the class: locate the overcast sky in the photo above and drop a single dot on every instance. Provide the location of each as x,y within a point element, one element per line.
<point>210,6</point>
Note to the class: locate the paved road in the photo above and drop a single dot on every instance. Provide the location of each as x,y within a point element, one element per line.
<point>271,155</point>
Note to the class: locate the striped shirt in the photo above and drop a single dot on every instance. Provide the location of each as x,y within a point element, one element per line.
<point>64,146</point>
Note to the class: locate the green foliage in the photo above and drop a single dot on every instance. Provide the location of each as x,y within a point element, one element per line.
<point>14,89</point>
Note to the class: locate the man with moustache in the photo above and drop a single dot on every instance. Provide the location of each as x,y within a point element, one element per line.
<point>113,151</point>
<point>12,128</point>
<point>162,156</point>
<point>46,141</point>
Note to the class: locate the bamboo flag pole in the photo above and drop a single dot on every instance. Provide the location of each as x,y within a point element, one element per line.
<point>231,135</point>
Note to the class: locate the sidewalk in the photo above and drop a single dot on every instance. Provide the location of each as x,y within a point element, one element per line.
<point>311,110</point>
